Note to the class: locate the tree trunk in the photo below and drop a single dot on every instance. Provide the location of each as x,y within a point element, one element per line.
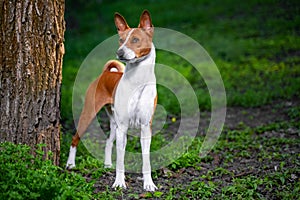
<point>31,40</point>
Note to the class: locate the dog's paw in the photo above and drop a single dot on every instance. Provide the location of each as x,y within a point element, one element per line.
<point>108,166</point>
<point>71,159</point>
<point>119,184</point>
<point>120,180</point>
<point>148,183</point>
<point>107,163</point>
<point>70,165</point>
<point>150,187</point>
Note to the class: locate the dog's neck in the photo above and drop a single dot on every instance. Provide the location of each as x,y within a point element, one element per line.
<point>143,69</point>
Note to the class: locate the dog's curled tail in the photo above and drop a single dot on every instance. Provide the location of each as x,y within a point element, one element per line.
<point>114,66</point>
<point>99,93</point>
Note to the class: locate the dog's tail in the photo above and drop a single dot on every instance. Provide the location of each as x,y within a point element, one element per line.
<point>114,66</point>
<point>99,93</point>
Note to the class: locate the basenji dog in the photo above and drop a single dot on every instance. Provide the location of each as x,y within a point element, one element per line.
<point>131,92</point>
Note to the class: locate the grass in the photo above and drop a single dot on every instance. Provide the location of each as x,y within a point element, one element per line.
<point>255,45</point>
<point>226,173</point>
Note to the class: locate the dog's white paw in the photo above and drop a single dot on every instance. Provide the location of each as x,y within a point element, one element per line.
<point>150,187</point>
<point>148,183</point>
<point>71,159</point>
<point>119,184</point>
<point>120,180</point>
<point>108,166</point>
<point>70,165</point>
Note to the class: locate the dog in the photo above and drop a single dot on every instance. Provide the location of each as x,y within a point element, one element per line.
<point>131,93</point>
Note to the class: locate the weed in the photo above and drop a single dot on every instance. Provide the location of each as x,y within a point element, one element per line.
<point>245,188</point>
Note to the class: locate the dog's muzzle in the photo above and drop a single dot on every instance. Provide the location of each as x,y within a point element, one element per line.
<point>125,54</point>
<point>120,53</point>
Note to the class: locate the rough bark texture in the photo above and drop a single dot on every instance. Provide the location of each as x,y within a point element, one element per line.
<point>31,52</point>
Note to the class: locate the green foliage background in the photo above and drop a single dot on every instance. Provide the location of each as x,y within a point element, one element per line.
<point>255,44</point>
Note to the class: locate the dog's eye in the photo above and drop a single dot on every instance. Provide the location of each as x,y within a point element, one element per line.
<point>135,40</point>
<point>121,40</point>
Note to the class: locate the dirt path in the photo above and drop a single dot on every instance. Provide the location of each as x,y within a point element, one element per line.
<point>239,117</point>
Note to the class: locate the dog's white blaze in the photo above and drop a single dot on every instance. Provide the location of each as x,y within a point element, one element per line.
<point>127,38</point>
<point>128,53</point>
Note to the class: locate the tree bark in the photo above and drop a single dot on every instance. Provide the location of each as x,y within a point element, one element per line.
<point>31,39</point>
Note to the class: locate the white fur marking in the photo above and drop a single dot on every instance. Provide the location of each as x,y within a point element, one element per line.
<point>148,183</point>
<point>120,169</point>
<point>110,142</point>
<point>127,38</point>
<point>128,53</point>
<point>71,159</point>
<point>113,69</point>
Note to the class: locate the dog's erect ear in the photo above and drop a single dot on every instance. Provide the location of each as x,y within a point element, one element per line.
<point>145,21</point>
<point>120,22</point>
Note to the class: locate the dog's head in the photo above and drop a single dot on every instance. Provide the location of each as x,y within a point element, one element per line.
<point>135,43</point>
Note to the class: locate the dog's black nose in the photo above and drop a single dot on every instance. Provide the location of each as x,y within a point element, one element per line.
<point>120,53</point>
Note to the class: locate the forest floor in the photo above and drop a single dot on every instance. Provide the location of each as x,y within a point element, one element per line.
<point>258,157</point>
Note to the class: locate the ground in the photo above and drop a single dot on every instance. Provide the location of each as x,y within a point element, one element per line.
<point>259,145</point>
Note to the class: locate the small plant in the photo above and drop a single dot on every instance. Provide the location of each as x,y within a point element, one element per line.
<point>294,113</point>
<point>198,189</point>
<point>243,188</point>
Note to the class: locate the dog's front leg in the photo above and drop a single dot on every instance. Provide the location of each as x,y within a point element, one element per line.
<point>121,140</point>
<point>145,143</point>
<point>110,143</point>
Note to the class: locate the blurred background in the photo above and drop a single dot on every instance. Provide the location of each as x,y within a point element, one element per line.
<point>255,45</point>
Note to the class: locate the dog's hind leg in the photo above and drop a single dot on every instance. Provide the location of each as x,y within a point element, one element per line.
<point>91,107</point>
<point>99,93</point>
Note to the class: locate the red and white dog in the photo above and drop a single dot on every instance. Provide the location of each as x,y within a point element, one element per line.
<point>131,91</point>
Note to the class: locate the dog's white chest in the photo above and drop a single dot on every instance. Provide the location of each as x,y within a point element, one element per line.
<point>134,103</point>
<point>141,105</point>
